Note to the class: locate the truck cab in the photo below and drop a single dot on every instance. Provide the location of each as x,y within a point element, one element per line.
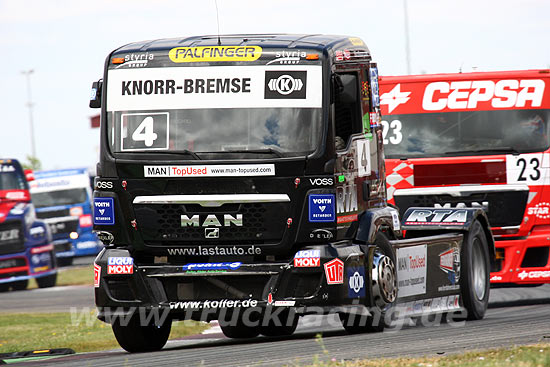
<point>26,250</point>
<point>245,173</point>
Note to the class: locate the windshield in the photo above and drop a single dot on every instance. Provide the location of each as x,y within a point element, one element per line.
<point>466,133</point>
<point>59,197</point>
<point>291,131</point>
<point>264,108</point>
<point>11,178</point>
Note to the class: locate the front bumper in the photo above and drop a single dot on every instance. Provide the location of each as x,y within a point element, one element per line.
<point>512,267</point>
<point>202,295</point>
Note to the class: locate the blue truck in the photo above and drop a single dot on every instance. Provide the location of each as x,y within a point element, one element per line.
<point>62,198</point>
<point>26,249</point>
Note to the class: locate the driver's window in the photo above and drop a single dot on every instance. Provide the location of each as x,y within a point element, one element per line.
<point>347,110</point>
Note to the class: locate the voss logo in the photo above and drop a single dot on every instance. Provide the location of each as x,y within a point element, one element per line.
<point>460,95</point>
<point>285,84</point>
<point>104,185</point>
<point>321,181</point>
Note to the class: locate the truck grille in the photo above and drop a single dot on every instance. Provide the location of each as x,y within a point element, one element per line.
<point>60,229</point>
<point>52,213</point>
<point>260,222</point>
<point>11,237</point>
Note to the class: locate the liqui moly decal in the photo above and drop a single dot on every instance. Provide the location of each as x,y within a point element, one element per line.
<point>448,95</point>
<point>120,265</point>
<point>334,271</point>
<point>307,259</point>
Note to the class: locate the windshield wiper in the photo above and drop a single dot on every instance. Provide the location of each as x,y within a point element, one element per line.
<point>258,151</point>
<point>183,151</point>
<point>487,150</point>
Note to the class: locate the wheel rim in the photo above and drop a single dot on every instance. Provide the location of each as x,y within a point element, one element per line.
<point>478,270</point>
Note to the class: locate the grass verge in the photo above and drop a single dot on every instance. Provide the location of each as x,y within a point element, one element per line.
<point>74,275</point>
<point>31,331</point>
<point>536,355</point>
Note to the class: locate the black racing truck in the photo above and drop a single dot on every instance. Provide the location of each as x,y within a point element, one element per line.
<point>241,179</point>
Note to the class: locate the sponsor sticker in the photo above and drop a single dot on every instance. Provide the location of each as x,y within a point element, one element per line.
<point>215,53</point>
<point>411,270</point>
<point>541,210</point>
<point>285,84</point>
<point>180,88</point>
<point>284,303</point>
<point>236,170</point>
<point>356,41</point>
<point>104,213</point>
<point>287,57</point>
<point>321,234</point>
<point>334,271</point>
<point>436,217</point>
<point>97,275</point>
<point>449,262</point>
<point>212,266</point>
<point>307,259</point>
<point>120,265</point>
<point>321,208</point>
<point>536,274</point>
<point>144,131</point>
<point>224,303</point>
<point>356,282</point>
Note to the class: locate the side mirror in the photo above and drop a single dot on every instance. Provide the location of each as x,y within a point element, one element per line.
<point>29,175</point>
<point>95,96</point>
<point>346,88</point>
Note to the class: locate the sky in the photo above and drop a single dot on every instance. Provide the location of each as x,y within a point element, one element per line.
<point>65,43</point>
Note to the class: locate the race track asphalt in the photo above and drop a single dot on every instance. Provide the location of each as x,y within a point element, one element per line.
<point>516,316</point>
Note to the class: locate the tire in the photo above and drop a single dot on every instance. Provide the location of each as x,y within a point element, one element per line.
<point>475,279</point>
<point>20,285</point>
<point>135,338</point>
<point>65,261</point>
<point>237,329</point>
<point>286,325</point>
<point>47,281</point>
<point>355,324</point>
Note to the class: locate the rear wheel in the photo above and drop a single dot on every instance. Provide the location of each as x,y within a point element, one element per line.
<point>236,327</point>
<point>20,285</point>
<point>135,337</point>
<point>65,261</point>
<point>474,280</point>
<point>47,281</point>
<point>383,287</point>
<point>283,325</point>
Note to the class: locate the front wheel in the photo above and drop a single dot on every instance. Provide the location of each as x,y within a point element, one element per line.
<point>383,288</point>
<point>135,337</point>
<point>47,281</point>
<point>475,280</point>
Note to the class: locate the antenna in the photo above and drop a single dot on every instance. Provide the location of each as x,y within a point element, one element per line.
<point>218,22</point>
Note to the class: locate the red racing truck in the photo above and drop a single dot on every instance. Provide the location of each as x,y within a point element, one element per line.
<point>476,140</point>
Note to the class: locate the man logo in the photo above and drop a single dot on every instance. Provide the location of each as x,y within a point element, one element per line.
<point>211,233</point>
<point>285,84</point>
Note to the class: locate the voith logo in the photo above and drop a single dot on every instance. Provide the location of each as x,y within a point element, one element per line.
<point>120,265</point>
<point>334,271</point>
<point>394,98</point>
<point>285,84</point>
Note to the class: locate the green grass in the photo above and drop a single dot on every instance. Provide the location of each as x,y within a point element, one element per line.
<point>75,275</point>
<point>537,355</point>
<point>34,331</point>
